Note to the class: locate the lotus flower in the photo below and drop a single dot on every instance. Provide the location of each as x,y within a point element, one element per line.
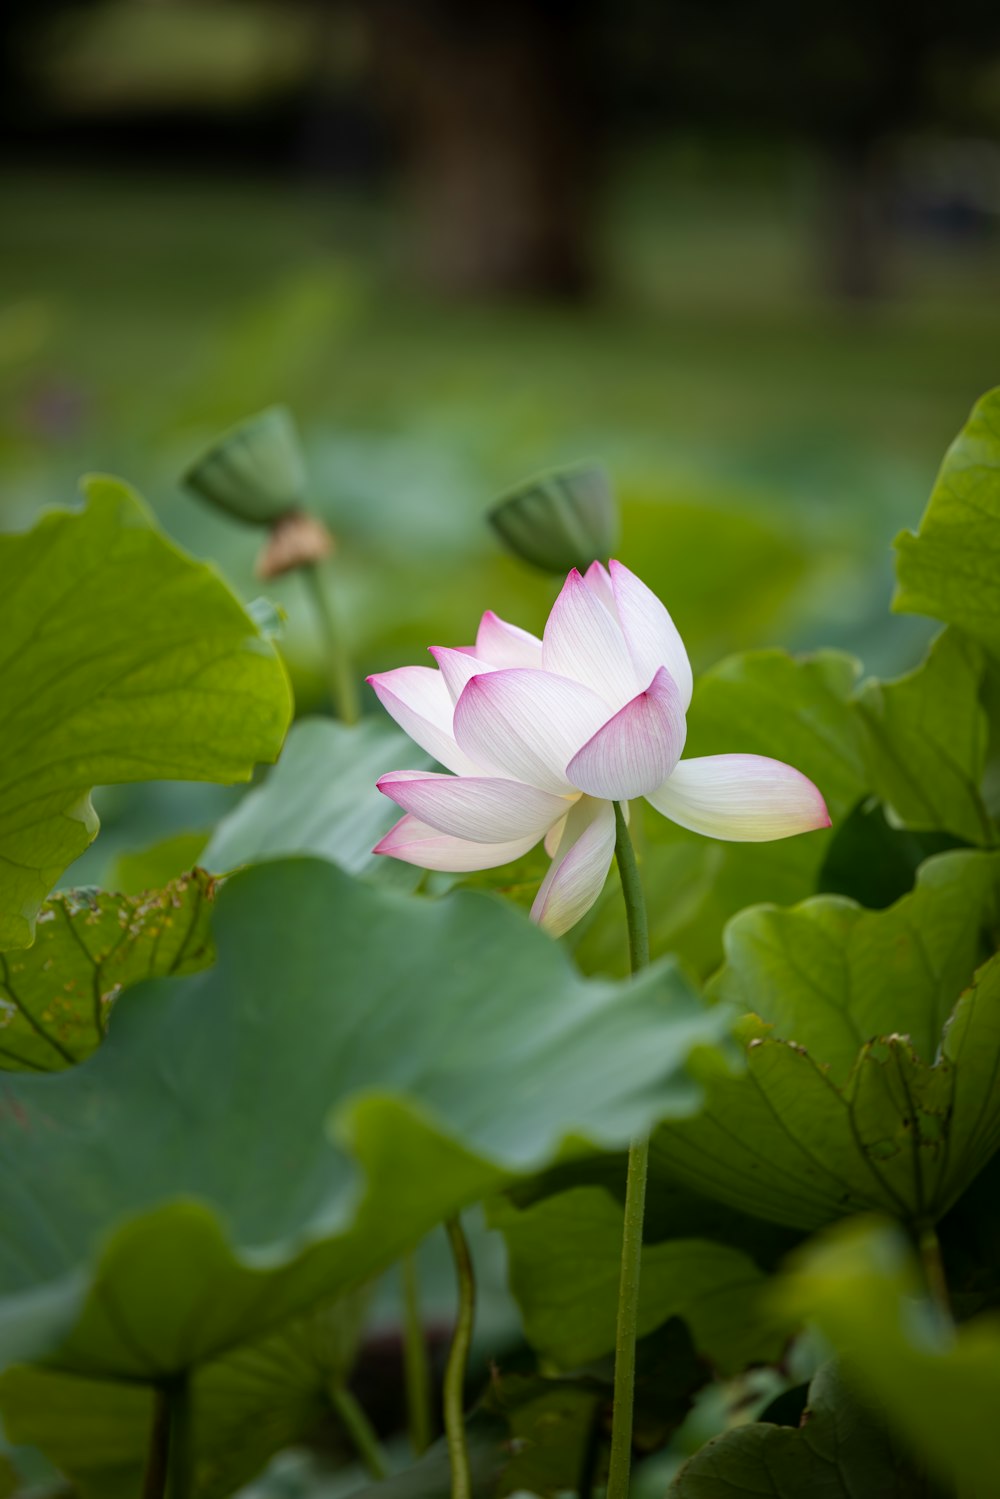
<point>542,736</point>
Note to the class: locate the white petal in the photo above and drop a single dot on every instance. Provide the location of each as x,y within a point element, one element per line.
<point>503,644</point>
<point>744,798</point>
<point>527,725</point>
<point>634,752</point>
<point>474,807</point>
<point>579,869</point>
<point>598,580</point>
<point>418,699</point>
<point>553,837</point>
<point>415,842</point>
<point>652,636</point>
<point>458,666</point>
<point>584,642</point>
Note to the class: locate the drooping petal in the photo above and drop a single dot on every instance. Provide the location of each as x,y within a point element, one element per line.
<point>743,798</point>
<point>416,842</point>
<point>506,645</point>
<point>418,699</point>
<point>527,725</point>
<point>474,807</point>
<point>579,869</point>
<point>583,641</point>
<point>653,638</point>
<point>634,752</point>
<point>458,665</point>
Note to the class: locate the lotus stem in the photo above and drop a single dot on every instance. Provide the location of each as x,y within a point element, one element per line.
<point>458,1360</point>
<point>415,1359</point>
<point>635,1196</point>
<point>929,1247</point>
<point>343,688</point>
<point>154,1485</point>
<point>360,1430</point>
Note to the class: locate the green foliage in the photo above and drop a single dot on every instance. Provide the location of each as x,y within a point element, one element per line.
<point>939,1386</point>
<point>949,569</point>
<point>123,661</point>
<point>133,1250</point>
<point>841,1447</point>
<point>848,1100</point>
<point>565,1254</point>
<point>56,996</point>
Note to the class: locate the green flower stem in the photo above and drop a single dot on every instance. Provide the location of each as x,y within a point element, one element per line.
<point>359,1429</point>
<point>154,1485</point>
<point>458,1359</point>
<point>635,1197</point>
<point>416,1363</point>
<point>343,687</point>
<point>929,1247</point>
<point>181,1465</point>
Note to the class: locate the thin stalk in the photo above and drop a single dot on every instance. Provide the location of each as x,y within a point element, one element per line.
<point>343,688</point>
<point>181,1467</point>
<point>929,1247</point>
<point>360,1430</point>
<point>458,1359</point>
<point>635,1197</point>
<point>415,1360</point>
<point>154,1484</point>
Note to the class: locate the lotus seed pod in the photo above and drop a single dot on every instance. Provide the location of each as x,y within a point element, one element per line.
<point>255,471</point>
<point>565,519</point>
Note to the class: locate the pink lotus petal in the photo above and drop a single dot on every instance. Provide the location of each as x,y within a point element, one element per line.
<point>472,807</point>
<point>415,842</point>
<point>506,645</point>
<point>652,636</point>
<point>634,752</point>
<point>743,798</point>
<point>579,869</point>
<point>598,580</point>
<point>584,642</point>
<point>527,725</point>
<point>418,699</point>
<point>458,666</point>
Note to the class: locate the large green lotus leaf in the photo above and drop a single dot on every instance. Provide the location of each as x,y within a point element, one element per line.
<point>565,1263</point>
<point>802,1141</point>
<point>768,703</point>
<point>841,1450</point>
<point>951,568</point>
<point>179,1192</point>
<point>831,976</point>
<point>938,1385</point>
<point>321,798</point>
<point>246,1406</point>
<point>56,996</point>
<point>927,736</point>
<point>875,863</point>
<point>123,660</point>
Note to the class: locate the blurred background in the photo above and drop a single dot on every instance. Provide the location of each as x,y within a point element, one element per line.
<point>749,256</point>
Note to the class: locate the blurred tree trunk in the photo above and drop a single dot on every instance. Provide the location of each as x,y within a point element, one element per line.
<point>497,141</point>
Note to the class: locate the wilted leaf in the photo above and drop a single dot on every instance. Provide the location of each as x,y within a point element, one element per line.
<point>123,660</point>
<point>56,996</point>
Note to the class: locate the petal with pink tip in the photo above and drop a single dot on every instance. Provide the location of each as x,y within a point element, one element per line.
<point>506,645</point>
<point>418,699</point>
<point>634,752</point>
<point>474,807</point>
<point>598,580</point>
<point>653,638</point>
<point>579,869</point>
<point>527,725</point>
<point>742,798</point>
<point>584,642</point>
<point>458,665</point>
<point>416,842</point>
